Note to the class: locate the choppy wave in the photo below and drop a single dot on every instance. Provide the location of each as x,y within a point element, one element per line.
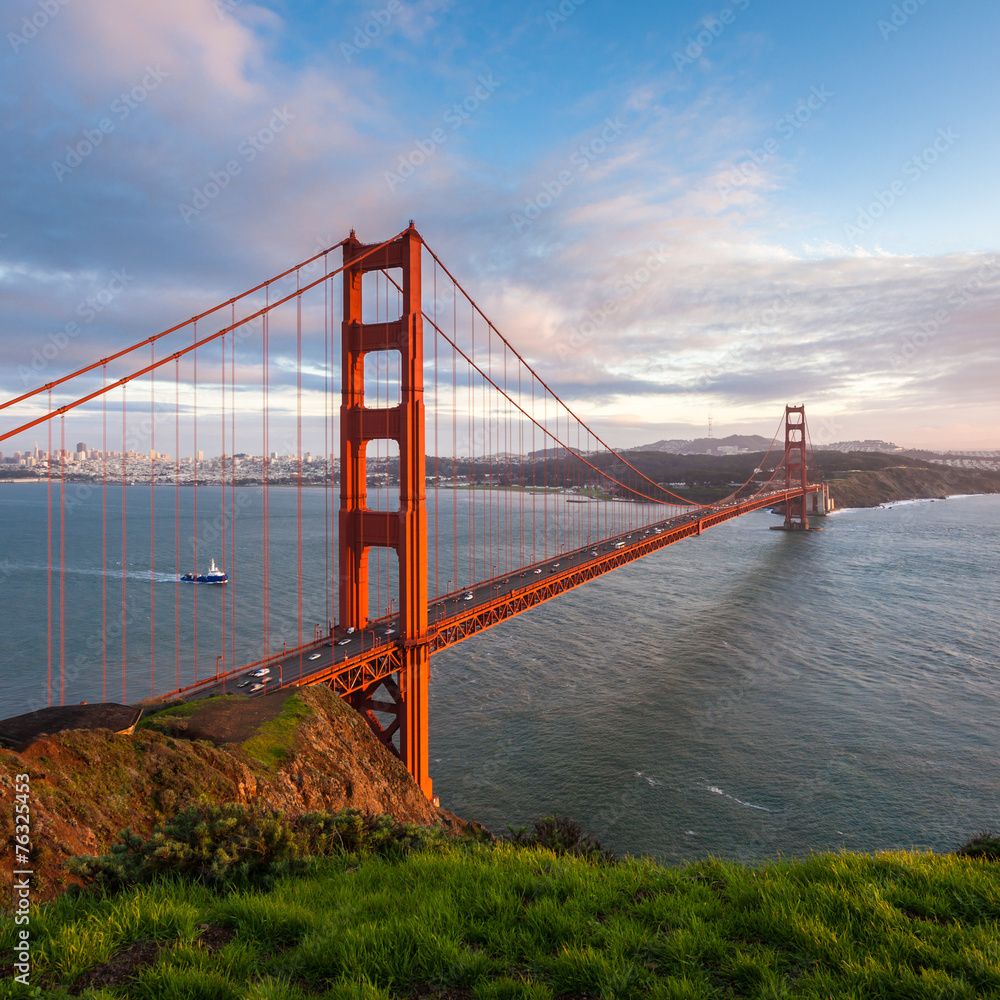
<point>748,805</point>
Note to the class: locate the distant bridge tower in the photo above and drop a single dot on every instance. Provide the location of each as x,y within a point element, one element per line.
<point>796,518</point>
<point>404,529</point>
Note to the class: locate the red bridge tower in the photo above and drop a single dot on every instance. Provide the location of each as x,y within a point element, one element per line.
<point>796,518</point>
<point>405,529</point>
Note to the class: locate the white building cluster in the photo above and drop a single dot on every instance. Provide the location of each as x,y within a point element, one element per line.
<point>83,463</point>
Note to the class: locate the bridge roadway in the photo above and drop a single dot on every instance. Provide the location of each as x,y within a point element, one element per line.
<point>349,662</point>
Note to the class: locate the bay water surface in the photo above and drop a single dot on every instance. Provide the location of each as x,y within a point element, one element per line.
<point>748,693</point>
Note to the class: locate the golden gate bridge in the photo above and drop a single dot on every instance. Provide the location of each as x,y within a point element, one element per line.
<point>528,502</point>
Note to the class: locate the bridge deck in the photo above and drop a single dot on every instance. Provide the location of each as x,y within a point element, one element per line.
<point>350,662</point>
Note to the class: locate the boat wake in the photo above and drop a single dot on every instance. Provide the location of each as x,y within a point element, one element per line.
<point>647,779</point>
<point>150,576</point>
<point>748,805</point>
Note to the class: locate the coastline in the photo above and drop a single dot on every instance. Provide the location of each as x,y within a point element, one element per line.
<point>869,489</point>
<point>889,504</point>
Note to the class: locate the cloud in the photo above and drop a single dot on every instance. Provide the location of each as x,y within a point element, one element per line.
<point>637,286</point>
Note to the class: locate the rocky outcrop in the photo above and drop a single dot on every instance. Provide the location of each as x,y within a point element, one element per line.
<point>870,489</point>
<point>310,752</point>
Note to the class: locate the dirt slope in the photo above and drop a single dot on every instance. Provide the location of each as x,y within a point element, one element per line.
<point>301,753</point>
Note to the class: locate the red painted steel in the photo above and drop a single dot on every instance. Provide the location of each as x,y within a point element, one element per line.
<point>120,383</point>
<point>404,530</point>
<point>363,673</point>
<point>49,386</point>
<point>392,677</point>
<point>796,518</point>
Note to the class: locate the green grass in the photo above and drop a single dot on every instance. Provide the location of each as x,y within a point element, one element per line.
<point>182,710</point>
<point>506,923</point>
<point>270,744</point>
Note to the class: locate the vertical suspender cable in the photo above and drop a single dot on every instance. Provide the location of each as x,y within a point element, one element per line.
<point>232,495</point>
<point>454,441</point>
<point>326,448</point>
<point>177,522</point>
<point>48,561</point>
<point>104,538</point>
<point>62,559</point>
<point>488,445</point>
<point>507,452</point>
<point>222,492</point>
<point>557,482</point>
<point>222,497</point>
<point>549,466</point>
<point>298,476</point>
<point>520,463</point>
<point>152,524</point>
<point>437,485</point>
<point>473,524</point>
<point>194,502</point>
<point>534,459</point>
<point>265,494</point>
<point>124,538</point>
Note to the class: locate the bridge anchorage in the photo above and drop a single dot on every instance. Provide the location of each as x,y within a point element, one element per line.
<point>528,504</point>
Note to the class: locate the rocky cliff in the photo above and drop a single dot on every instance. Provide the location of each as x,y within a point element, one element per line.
<point>871,488</point>
<point>301,751</point>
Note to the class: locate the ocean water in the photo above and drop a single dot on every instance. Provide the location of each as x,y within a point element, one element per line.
<point>747,693</point>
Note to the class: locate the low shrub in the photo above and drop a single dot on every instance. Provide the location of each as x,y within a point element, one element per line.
<point>244,846</point>
<point>984,845</point>
<point>562,835</point>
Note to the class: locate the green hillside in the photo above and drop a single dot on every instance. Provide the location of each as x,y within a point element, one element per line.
<point>501,922</point>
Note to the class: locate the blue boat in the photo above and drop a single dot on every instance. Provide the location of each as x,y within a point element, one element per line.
<point>214,575</point>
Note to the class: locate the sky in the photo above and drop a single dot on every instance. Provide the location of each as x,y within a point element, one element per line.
<point>784,202</point>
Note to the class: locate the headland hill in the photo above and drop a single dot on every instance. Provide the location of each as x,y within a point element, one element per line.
<point>273,848</point>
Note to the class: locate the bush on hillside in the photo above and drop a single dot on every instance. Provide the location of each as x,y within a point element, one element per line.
<point>984,845</point>
<point>562,835</point>
<point>237,845</point>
